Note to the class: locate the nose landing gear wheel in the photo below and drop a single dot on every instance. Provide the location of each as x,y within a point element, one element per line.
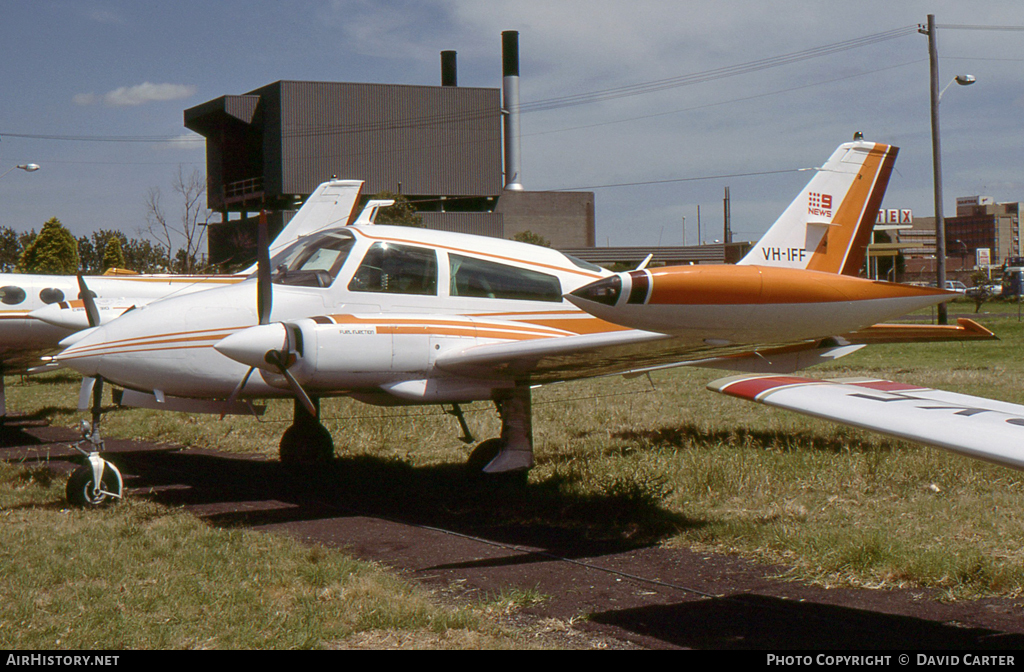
<point>84,492</point>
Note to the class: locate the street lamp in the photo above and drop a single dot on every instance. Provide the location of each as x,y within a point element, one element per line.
<point>962,80</point>
<point>963,253</point>
<point>940,223</point>
<point>27,167</point>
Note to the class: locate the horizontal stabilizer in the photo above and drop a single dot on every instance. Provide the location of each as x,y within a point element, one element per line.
<point>964,330</point>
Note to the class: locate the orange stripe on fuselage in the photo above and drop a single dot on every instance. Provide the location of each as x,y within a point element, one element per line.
<point>745,285</point>
<point>148,342</point>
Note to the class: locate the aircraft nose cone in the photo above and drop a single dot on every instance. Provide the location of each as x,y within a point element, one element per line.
<point>605,291</point>
<point>250,346</point>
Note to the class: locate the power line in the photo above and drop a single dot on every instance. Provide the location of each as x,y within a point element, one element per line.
<point>100,138</point>
<point>727,102</point>
<point>623,91</point>
<point>685,179</point>
<point>961,26</point>
<point>718,73</point>
<point>573,100</point>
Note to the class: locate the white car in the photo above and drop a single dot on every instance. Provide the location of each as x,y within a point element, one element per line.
<point>955,286</point>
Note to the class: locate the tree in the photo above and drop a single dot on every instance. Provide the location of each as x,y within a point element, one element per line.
<point>91,249</point>
<point>53,252</point>
<point>144,256</point>
<point>10,249</point>
<point>191,228</point>
<point>113,255</point>
<point>402,213</point>
<point>532,238</point>
<point>141,256</point>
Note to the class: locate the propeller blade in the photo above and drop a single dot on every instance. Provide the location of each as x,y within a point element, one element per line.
<point>84,394</point>
<point>91,311</point>
<point>235,392</point>
<point>97,401</point>
<point>300,393</point>
<point>92,386</point>
<point>279,361</point>
<point>264,287</point>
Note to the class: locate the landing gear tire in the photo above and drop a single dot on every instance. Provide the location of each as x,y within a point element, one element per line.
<point>484,454</point>
<point>82,492</point>
<point>306,445</point>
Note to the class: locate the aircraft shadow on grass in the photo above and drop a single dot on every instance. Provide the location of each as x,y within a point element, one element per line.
<point>841,440</point>
<point>750,621</point>
<point>546,514</point>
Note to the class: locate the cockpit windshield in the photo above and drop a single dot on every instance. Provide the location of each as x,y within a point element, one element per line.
<point>313,261</point>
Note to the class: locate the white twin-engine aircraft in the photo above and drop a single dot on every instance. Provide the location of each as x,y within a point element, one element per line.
<point>38,311</point>
<point>394,315</point>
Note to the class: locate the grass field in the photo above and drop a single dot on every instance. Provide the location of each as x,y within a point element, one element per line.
<point>645,461</point>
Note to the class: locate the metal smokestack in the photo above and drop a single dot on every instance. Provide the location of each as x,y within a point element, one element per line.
<point>449,69</point>
<point>510,107</point>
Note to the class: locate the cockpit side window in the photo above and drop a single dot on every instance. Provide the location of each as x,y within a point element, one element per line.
<point>487,279</point>
<point>313,262</point>
<point>396,269</point>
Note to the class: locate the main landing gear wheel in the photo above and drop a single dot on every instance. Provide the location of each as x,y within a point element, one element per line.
<point>306,442</point>
<point>485,453</point>
<point>508,458</point>
<point>306,445</point>
<point>482,455</point>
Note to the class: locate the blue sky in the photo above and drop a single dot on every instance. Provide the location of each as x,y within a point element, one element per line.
<point>115,69</point>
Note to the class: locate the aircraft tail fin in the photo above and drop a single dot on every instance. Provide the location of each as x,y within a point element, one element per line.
<point>828,226</point>
<point>330,204</point>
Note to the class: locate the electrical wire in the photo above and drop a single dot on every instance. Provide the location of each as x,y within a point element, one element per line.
<point>560,102</point>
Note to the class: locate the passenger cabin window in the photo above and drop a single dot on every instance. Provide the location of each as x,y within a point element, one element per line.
<point>51,295</point>
<point>490,280</point>
<point>396,269</point>
<point>12,295</point>
<point>313,262</point>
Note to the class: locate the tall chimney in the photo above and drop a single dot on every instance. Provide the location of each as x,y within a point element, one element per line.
<point>449,69</point>
<point>510,107</point>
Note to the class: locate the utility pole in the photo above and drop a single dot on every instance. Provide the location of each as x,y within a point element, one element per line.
<point>727,228</point>
<point>700,241</point>
<point>940,222</point>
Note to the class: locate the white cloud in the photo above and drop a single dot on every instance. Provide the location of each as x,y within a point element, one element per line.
<point>106,16</point>
<point>188,141</point>
<point>130,96</point>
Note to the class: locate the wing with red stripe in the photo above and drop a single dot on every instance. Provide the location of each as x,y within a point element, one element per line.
<point>986,429</point>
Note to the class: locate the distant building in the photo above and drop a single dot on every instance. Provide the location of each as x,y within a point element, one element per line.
<point>439,146</point>
<point>980,224</point>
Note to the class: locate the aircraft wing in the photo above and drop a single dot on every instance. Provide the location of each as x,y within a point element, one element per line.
<point>567,349</point>
<point>982,428</point>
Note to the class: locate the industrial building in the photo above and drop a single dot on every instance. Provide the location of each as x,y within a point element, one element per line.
<point>450,150</point>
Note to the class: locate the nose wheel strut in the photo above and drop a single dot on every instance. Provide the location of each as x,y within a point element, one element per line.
<point>97,482</point>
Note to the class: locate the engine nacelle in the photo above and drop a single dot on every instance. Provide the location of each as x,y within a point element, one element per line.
<point>390,352</point>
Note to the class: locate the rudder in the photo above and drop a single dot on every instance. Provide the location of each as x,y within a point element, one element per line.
<point>828,226</point>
